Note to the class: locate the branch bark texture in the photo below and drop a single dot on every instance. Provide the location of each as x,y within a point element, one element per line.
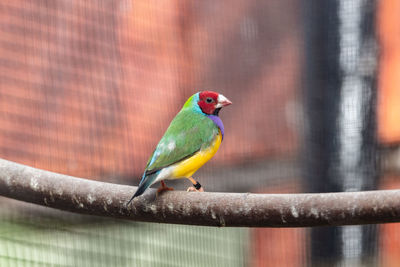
<point>208,209</point>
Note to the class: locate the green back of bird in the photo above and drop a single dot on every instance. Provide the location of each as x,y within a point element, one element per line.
<point>188,132</point>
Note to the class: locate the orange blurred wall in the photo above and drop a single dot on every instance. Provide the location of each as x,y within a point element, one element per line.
<point>389,72</point>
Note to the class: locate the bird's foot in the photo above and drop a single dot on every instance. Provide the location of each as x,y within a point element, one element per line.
<point>196,186</point>
<point>163,188</point>
<point>193,189</point>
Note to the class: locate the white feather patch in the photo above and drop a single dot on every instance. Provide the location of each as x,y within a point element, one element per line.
<point>171,145</point>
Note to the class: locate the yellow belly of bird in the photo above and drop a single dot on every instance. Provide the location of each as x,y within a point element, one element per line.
<point>189,166</point>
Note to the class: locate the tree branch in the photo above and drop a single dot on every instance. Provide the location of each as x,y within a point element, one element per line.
<point>210,209</point>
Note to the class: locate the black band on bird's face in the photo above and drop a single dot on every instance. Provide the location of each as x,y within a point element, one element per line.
<point>197,185</point>
<point>216,111</point>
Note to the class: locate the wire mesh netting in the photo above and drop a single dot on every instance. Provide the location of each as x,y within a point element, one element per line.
<point>38,238</point>
<point>87,88</point>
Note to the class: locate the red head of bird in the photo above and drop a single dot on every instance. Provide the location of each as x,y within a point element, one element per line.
<point>211,102</point>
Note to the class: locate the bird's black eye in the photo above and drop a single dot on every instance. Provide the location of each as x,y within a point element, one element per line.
<point>209,100</point>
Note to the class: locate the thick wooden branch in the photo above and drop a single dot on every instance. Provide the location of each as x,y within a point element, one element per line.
<point>210,209</point>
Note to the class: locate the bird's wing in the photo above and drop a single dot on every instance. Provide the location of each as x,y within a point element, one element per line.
<point>188,132</point>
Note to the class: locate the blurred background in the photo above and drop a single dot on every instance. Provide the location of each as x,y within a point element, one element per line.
<point>87,88</point>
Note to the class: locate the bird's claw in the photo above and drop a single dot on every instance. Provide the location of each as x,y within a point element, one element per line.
<point>192,189</point>
<point>163,188</point>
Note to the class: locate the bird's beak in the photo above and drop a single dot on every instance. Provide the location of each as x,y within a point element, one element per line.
<point>223,101</point>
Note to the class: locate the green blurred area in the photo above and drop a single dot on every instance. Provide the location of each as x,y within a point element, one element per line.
<point>46,237</point>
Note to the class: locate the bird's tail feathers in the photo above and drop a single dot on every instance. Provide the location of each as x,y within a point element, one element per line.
<point>144,184</point>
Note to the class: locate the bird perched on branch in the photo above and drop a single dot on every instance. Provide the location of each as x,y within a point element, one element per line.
<point>192,138</point>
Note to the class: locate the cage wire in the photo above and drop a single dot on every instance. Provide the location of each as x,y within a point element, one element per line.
<point>89,87</point>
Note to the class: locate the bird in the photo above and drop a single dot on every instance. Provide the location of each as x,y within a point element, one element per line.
<point>192,139</point>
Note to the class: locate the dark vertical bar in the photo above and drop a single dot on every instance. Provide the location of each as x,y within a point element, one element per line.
<point>329,86</point>
<point>322,95</point>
